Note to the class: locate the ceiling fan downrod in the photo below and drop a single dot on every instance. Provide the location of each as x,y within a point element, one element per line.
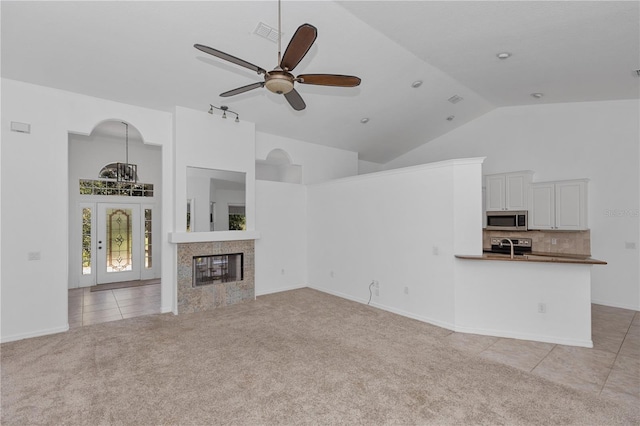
<point>279,34</point>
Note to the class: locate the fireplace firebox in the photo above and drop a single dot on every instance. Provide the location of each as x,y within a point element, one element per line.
<point>217,268</point>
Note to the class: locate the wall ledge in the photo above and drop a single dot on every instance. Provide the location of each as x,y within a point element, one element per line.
<point>203,237</point>
<point>402,170</point>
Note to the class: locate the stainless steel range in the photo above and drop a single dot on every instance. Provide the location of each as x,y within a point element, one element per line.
<point>502,245</point>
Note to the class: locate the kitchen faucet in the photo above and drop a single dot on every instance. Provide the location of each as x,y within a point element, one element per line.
<point>510,242</point>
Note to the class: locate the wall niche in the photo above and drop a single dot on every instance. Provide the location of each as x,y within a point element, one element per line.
<point>278,167</point>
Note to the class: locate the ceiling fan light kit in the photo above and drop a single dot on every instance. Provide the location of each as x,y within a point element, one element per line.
<point>280,80</point>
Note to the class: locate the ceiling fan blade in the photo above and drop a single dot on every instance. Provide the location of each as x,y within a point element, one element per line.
<point>230,58</point>
<point>242,89</point>
<point>295,100</point>
<point>299,45</point>
<point>329,80</point>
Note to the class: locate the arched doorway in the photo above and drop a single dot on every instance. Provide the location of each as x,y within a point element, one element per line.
<point>114,218</point>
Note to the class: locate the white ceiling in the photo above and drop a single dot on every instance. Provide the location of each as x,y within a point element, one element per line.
<point>142,53</point>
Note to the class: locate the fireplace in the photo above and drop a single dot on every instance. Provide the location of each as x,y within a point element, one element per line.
<point>217,268</point>
<point>215,274</point>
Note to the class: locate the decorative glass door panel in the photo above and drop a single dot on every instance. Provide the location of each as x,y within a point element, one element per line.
<point>118,245</point>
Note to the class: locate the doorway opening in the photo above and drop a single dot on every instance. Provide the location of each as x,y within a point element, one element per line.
<point>114,220</point>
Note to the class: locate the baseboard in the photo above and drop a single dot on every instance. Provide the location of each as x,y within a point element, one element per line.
<point>471,330</point>
<point>525,336</point>
<point>393,310</point>
<point>280,290</point>
<point>615,305</point>
<point>20,336</point>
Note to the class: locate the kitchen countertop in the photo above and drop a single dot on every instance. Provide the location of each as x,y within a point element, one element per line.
<point>536,257</point>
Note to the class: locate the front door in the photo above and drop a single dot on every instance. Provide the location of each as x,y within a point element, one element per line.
<point>118,243</point>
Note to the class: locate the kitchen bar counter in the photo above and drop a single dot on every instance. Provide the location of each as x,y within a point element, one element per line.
<point>543,297</point>
<point>536,257</point>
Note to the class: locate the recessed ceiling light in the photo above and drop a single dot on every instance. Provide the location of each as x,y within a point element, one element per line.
<point>365,120</point>
<point>537,95</point>
<point>416,84</point>
<point>503,55</point>
<point>455,99</point>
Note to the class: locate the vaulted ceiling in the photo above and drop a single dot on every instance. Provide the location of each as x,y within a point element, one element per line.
<point>142,53</point>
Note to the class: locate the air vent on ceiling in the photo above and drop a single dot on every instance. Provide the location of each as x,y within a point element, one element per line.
<point>265,31</point>
<point>455,99</point>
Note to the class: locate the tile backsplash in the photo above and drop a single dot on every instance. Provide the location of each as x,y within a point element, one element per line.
<point>566,242</point>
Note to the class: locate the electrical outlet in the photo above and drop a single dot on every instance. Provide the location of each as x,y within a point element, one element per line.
<point>406,290</point>
<point>282,272</point>
<point>331,274</point>
<point>554,241</point>
<point>542,308</point>
<point>435,250</point>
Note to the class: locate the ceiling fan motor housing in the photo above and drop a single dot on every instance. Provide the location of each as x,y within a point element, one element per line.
<point>280,82</point>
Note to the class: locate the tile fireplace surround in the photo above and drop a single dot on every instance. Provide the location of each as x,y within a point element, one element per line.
<point>195,299</point>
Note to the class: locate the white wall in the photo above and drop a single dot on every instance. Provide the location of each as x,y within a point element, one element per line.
<point>281,252</point>
<point>396,227</point>
<point>34,179</point>
<point>365,167</point>
<point>595,140</point>
<point>319,163</point>
<point>281,208</point>
<point>87,156</point>
<point>209,143</point>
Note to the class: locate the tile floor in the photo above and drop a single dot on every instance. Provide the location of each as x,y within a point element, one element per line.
<point>87,307</point>
<point>610,369</point>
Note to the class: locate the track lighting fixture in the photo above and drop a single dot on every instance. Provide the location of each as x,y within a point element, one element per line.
<point>225,109</point>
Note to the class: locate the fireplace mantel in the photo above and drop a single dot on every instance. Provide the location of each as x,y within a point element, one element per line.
<point>203,237</point>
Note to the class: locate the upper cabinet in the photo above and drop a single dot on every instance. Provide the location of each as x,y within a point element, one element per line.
<point>560,205</point>
<point>507,191</point>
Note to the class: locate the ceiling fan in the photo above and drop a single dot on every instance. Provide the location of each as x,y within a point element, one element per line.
<point>280,80</point>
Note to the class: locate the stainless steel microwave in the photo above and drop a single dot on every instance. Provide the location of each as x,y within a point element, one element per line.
<point>506,220</point>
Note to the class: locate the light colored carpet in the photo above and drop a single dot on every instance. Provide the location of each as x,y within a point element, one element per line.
<point>298,357</point>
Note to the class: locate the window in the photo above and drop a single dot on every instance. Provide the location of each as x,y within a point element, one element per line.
<point>86,241</point>
<point>109,187</point>
<point>119,240</point>
<point>237,219</point>
<point>148,253</point>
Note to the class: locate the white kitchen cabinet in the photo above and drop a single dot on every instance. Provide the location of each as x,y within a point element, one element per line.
<point>507,191</point>
<point>560,205</point>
